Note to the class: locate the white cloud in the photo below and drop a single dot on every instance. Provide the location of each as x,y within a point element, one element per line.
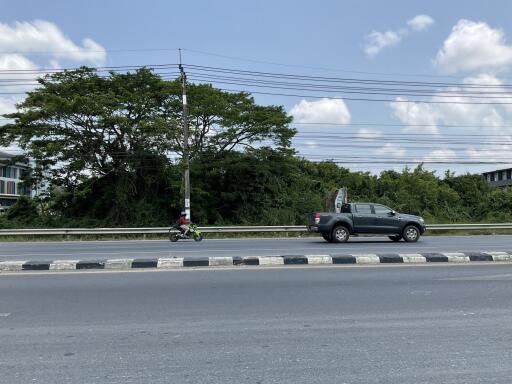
<point>420,22</point>
<point>438,155</point>
<point>44,36</point>
<point>324,111</point>
<point>416,114</point>
<point>474,46</point>
<point>6,106</point>
<point>365,133</point>
<point>21,39</point>
<point>392,150</point>
<point>453,111</point>
<point>377,41</point>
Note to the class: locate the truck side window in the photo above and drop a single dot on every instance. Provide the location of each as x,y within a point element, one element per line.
<point>364,209</point>
<point>382,210</point>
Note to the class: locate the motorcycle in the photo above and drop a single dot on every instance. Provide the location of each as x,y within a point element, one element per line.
<point>194,233</point>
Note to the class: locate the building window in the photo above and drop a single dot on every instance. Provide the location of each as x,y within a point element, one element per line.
<point>2,186</point>
<point>500,175</point>
<point>509,174</point>
<point>492,176</point>
<point>11,188</point>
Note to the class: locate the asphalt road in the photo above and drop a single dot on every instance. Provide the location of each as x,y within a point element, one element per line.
<point>429,324</point>
<point>246,247</point>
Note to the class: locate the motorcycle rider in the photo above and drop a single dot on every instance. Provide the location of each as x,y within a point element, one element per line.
<point>184,224</point>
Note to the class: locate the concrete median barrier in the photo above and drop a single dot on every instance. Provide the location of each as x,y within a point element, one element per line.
<point>248,261</point>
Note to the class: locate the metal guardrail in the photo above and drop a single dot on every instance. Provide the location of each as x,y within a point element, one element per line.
<point>232,229</point>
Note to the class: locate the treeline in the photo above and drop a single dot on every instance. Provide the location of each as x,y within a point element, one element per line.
<point>108,152</point>
<point>265,187</point>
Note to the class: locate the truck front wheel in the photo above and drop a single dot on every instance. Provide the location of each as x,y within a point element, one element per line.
<point>340,234</point>
<point>411,234</point>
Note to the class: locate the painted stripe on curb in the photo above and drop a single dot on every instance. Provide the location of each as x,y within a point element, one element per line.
<point>435,257</point>
<point>271,260</point>
<point>220,261</point>
<point>36,266</point>
<point>390,258</point>
<point>251,260</point>
<point>294,259</point>
<point>479,256</point>
<point>144,263</point>
<point>118,264</point>
<point>413,258</point>
<point>11,265</point>
<point>63,265</point>
<point>367,259</point>
<point>500,256</point>
<point>319,259</point>
<point>202,262</point>
<point>343,259</point>
<point>457,257</point>
<point>90,265</point>
<point>171,262</point>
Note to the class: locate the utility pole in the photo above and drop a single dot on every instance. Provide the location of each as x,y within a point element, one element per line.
<point>186,161</point>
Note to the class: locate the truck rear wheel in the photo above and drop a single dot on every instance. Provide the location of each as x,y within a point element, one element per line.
<point>326,237</point>
<point>340,234</point>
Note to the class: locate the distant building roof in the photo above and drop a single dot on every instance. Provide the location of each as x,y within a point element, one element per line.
<point>5,155</point>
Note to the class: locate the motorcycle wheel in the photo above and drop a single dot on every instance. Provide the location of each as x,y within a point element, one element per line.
<point>173,237</point>
<point>198,238</point>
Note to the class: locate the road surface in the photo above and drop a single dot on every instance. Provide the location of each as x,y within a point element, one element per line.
<point>92,250</point>
<point>398,324</point>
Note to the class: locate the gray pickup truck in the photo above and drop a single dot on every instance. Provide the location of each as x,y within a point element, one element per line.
<point>366,218</point>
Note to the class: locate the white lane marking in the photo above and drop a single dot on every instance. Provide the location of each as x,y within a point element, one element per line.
<point>6,314</point>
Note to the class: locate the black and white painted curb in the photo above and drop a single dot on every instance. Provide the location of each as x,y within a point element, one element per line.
<point>228,261</point>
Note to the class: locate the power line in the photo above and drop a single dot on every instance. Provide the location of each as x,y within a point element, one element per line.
<point>362,98</point>
<point>319,68</point>
<point>339,79</point>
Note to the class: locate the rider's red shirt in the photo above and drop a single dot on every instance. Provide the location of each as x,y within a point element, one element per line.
<point>183,220</point>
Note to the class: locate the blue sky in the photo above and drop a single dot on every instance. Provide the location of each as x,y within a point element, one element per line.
<point>325,34</point>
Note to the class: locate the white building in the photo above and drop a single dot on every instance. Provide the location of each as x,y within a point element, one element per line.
<point>499,178</point>
<point>11,187</point>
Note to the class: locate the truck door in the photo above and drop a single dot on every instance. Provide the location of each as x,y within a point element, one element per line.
<point>363,218</point>
<point>385,220</point>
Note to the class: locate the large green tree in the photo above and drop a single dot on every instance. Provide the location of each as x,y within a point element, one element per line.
<point>107,142</point>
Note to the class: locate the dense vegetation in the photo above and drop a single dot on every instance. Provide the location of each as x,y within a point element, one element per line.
<point>108,148</point>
